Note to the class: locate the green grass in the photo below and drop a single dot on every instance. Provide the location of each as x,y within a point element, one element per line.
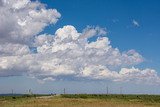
<point>81,100</point>
<point>129,98</point>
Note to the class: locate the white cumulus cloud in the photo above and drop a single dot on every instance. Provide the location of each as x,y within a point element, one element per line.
<point>68,54</point>
<point>21,20</point>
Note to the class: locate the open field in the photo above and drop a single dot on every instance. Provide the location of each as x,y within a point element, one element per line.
<point>81,100</point>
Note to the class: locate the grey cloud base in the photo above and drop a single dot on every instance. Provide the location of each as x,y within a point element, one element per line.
<point>66,54</point>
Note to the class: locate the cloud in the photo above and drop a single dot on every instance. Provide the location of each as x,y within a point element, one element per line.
<point>93,31</point>
<point>66,34</point>
<point>146,76</point>
<point>13,49</point>
<point>135,23</point>
<point>42,39</point>
<point>65,55</point>
<point>21,20</point>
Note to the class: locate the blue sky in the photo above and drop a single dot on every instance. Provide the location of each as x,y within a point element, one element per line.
<point>117,17</point>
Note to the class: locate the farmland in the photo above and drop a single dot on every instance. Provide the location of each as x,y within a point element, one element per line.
<point>80,100</point>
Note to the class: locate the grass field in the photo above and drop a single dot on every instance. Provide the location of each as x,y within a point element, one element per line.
<point>81,100</point>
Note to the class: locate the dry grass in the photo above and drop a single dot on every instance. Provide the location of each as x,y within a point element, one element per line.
<point>72,102</point>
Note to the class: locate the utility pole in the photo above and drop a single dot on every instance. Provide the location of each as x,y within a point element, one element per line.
<point>107,90</point>
<point>30,92</point>
<point>12,91</point>
<point>64,91</point>
<point>120,90</point>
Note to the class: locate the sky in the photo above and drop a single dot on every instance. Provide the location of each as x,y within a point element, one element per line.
<point>83,46</point>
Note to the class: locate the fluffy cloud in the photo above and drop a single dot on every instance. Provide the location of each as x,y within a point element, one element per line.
<point>125,74</point>
<point>67,54</point>
<point>43,39</point>
<point>91,31</point>
<point>13,49</point>
<point>21,20</point>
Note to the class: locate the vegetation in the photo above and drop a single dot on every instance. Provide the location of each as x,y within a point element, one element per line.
<point>138,98</point>
<point>80,100</point>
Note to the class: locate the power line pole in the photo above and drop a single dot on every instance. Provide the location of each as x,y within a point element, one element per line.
<point>120,90</point>
<point>29,92</point>
<point>64,91</point>
<point>12,91</point>
<point>107,90</point>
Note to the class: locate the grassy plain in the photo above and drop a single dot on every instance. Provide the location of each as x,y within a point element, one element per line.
<point>81,100</point>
